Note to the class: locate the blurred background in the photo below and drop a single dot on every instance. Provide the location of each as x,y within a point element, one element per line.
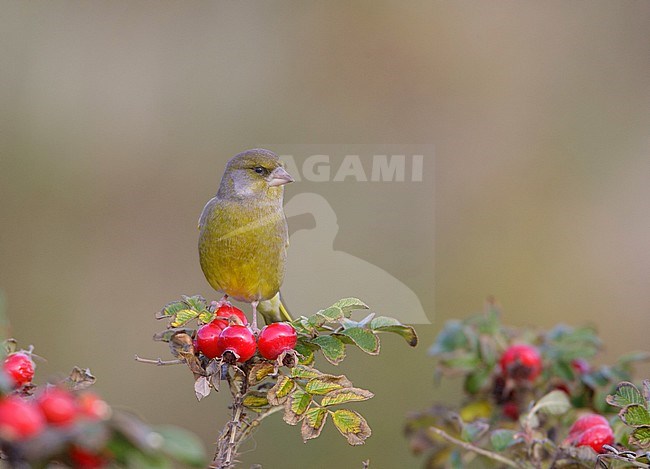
<point>117,118</point>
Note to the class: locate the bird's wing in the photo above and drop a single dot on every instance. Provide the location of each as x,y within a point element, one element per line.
<point>206,211</point>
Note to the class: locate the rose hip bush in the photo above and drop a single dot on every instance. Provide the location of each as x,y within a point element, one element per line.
<point>274,369</point>
<point>64,424</point>
<point>532,399</point>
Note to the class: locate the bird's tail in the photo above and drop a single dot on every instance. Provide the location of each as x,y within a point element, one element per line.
<point>273,310</point>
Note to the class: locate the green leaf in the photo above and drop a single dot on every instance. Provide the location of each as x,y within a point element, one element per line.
<point>305,351</point>
<point>501,438</point>
<point>386,324</point>
<point>279,393</point>
<point>451,338</point>
<point>626,394</point>
<point>333,349</point>
<point>171,309</point>
<point>313,422</point>
<point>364,339</point>
<point>296,406</point>
<point>347,305</point>
<point>554,403</point>
<point>641,437</point>
<point>474,430</point>
<point>138,460</point>
<point>196,303</point>
<point>476,380</point>
<point>183,446</point>
<point>635,415</point>
<point>183,316</point>
<point>351,425</point>
<point>304,372</point>
<point>341,396</point>
<point>255,400</point>
<point>464,361</point>
<point>324,384</point>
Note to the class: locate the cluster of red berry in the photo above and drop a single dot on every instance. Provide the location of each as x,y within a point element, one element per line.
<point>520,365</point>
<point>23,416</point>
<point>229,337</point>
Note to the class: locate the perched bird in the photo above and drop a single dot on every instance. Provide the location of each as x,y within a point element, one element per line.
<point>243,233</point>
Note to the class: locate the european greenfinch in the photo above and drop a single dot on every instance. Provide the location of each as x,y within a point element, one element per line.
<point>243,233</point>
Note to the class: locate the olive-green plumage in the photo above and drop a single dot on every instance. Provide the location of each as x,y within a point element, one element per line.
<point>243,230</point>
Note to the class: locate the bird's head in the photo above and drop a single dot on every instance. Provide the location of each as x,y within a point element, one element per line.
<point>254,173</point>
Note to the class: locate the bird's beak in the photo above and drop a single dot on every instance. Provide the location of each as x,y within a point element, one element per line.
<point>279,177</point>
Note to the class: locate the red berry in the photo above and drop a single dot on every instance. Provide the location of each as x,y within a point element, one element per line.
<point>226,310</point>
<point>20,367</point>
<point>20,419</point>
<point>85,459</point>
<point>58,406</point>
<point>521,362</point>
<point>580,366</point>
<point>275,339</point>
<point>207,337</point>
<point>238,340</point>
<point>591,430</point>
<point>511,410</point>
<point>93,407</point>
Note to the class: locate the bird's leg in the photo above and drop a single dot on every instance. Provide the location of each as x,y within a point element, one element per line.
<point>254,322</point>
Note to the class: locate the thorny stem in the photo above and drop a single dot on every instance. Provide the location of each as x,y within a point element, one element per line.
<point>158,362</point>
<point>475,449</point>
<point>228,439</point>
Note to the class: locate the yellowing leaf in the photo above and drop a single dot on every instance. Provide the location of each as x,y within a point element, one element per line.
<point>259,372</point>
<point>278,394</point>
<point>183,316</point>
<point>304,372</point>
<point>296,406</point>
<point>351,425</point>
<point>326,383</point>
<point>255,400</point>
<point>341,396</point>
<point>313,423</point>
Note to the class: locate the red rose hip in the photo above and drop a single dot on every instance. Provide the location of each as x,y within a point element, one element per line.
<point>521,362</point>
<point>58,406</point>
<point>275,339</point>
<point>20,419</point>
<point>591,430</point>
<point>207,336</point>
<point>237,339</point>
<point>226,310</point>
<point>20,367</point>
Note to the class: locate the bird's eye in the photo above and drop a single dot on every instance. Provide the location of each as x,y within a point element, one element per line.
<point>260,170</point>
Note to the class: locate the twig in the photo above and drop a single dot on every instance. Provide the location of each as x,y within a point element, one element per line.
<point>475,449</point>
<point>158,362</point>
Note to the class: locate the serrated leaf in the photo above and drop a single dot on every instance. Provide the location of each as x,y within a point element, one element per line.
<point>365,339</point>
<point>183,317</point>
<point>333,349</point>
<point>196,302</point>
<point>206,317</point>
<point>324,384</point>
<point>347,305</point>
<point>255,400</point>
<point>313,422</point>
<point>635,415</point>
<point>171,309</point>
<point>501,438</point>
<point>304,372</point>
<point>259,372</point>
<point>351,425</point>
<point>625,394</point>
<point>641,437</point>
<point>183,446</point>
<point>202,387</point>
<point>305,352</point>
<point>296,406</point>
<point>341,396</point>
<point>279,393</point>
<point>472,431</point>
<point>386,324</point>
<point>554,403</point>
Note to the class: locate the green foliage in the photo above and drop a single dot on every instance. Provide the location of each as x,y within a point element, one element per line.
<point>521,421</point>
<point>291,384</point>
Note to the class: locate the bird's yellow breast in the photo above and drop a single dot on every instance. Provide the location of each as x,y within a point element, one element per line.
<point>242,248</point>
